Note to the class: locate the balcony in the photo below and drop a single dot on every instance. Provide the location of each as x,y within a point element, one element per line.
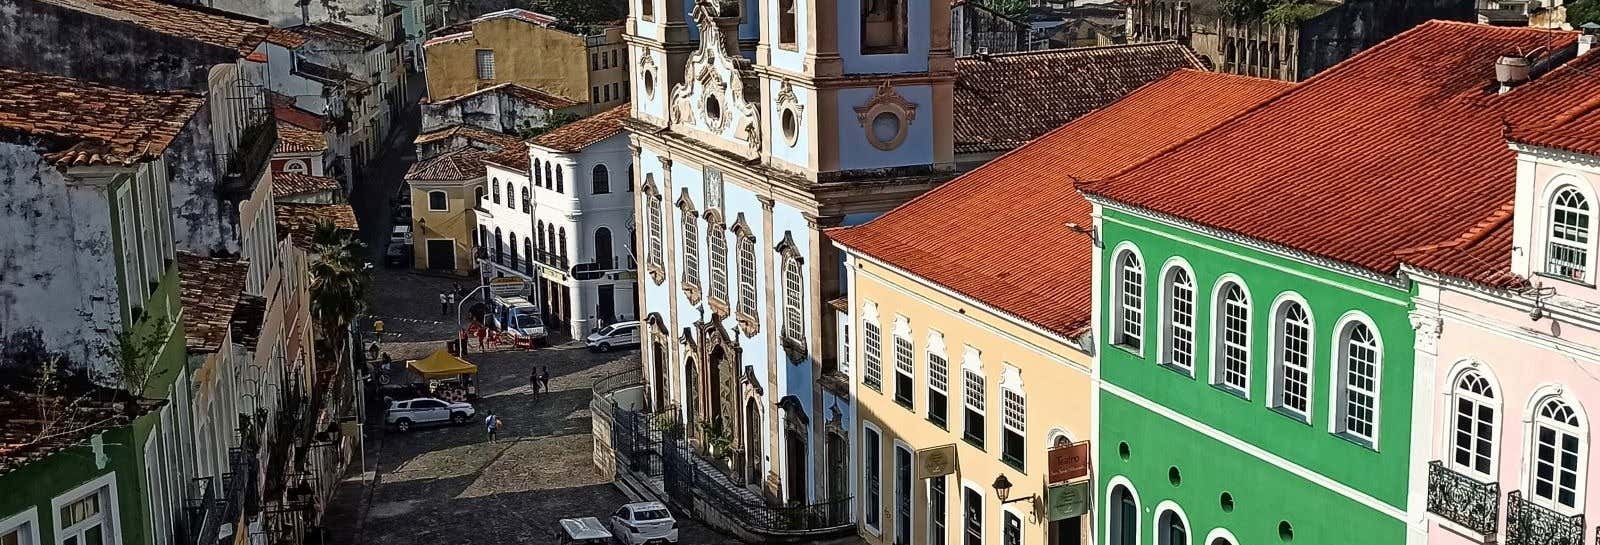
<point>1528,523</point>
<point>203,512</point>
<point>1463,500</point>
<point>246,164</point>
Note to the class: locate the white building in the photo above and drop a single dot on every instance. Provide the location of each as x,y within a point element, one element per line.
<point>563,218</point>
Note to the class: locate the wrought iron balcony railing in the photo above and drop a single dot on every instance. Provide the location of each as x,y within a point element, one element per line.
<point>1528,523</point>
<point>203,512</point>
<point>1464,500</point>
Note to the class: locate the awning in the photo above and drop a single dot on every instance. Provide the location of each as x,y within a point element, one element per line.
<point>441,365</point>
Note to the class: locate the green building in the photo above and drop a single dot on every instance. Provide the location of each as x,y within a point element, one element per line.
<point>1257,355</point>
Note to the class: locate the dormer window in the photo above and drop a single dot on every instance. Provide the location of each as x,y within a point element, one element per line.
<point>1571,232</point>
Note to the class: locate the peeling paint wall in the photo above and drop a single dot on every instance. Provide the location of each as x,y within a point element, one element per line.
<point>494,111</point>
<point>39,37</point>
<point>58,277</point>
<point>360,14</point>
<point>202,223</point>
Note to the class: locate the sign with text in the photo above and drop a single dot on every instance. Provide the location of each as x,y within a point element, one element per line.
<point>1067,500</point>
<point>508,286</point>
<point>1069,462</point>
<point>937,461</point>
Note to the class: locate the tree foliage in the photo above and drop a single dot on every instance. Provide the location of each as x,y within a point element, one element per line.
<point>1011,9</point>
<point>551,122</point>
<point>339,281</point>
<point>1583,11</point>
<point>134,353</point>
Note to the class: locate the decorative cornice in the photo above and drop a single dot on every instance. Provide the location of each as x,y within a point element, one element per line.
<point>886,96</point>
<point>1559,156</point>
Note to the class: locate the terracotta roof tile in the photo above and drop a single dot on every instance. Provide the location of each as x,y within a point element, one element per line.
<point>472,133</point>
<point>295,139</point>
<point>336,32</point>
<point>209,288</point>
<point>80,411</point>
<point>298,222</point>
<point>284,110</point>
<point>1399,147</point>
<point>521,92</point>
<point>997,234</point>
<point>92,124</point>
<point>575,136</point>
<point>1002,101</point>
<point>289,184</point>
<point>1482,254</point>
<point>453,166</point>
<point>285,38</point>
<point>209,26</point>
<point>515,158</point>
<point>1576,128</point>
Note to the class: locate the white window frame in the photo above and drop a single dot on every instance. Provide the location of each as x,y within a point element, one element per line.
<point>110,513</point>
<point>944,518</point>
<point>1536,419</point>
<point>446,207</point>
<point>938,375</point>
<point>1013,410</point>
<point>905,358</point>
<point>983,509</point>
<point>1478,402</point>
<point>793,300</point>
<point>25,524</point>
<point>974,399</point>
<point>1111,507</point>
<point>1170,328</point>
<point>894,485</point>
<point>132,268</point>
<point>1164,508</point>
<point>876,529</point>
<point>1584,247</point>
<point>1128,312</point>
<point>1219,333</point>
<point>485,70</point>
<point>871,347</point>
<point>1340,383</point>
<point>1277,348</point>
<point>717,260</point>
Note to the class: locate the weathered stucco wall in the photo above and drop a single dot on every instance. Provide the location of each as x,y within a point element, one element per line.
<point>40,37</point>
<point>542,58</point>
<point>493,111</point>
<point>201,222</point>
<point>360,14</point>
<point>58,278</point>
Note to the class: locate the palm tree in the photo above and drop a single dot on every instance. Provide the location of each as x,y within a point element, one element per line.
<point>338,283</point>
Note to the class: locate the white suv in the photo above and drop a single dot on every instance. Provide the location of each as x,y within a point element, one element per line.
<point>426,410</point>
<point>618,334</point>
<point>644,522</point>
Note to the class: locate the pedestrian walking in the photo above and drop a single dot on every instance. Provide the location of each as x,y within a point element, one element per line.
<point>492,424</point>
<point>444,304</point>
<point>544,378</point>
<point>533,380</point>
<point>483,333</point>
<point>461,344</point>
<point>452,298</point>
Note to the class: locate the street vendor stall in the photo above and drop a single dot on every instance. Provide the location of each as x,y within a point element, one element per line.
<point>449,378</point>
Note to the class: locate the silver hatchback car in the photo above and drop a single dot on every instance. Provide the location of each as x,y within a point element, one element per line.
<point>402,415</point>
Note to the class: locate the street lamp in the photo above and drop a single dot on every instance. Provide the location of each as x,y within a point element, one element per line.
<point>1002,489</point>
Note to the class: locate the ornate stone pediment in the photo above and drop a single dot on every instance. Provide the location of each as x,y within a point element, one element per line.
<point>720,96</point>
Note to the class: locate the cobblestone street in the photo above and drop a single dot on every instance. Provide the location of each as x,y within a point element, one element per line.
<point>449,484</point>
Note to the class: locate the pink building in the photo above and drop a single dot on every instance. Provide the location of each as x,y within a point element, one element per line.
<point>1508,317</point>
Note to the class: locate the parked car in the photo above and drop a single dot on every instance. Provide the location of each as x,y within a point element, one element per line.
<point>644,522</point>
<point>400,234</point>
<point>402,415</point>
<point>398,255</point>
<point>584,531</point>
<point>614,335</point>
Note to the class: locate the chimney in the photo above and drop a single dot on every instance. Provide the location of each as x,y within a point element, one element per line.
<point>1590,37</point>
<point>1511,70</point>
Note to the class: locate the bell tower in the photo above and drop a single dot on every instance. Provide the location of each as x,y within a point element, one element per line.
<point>660,38</point>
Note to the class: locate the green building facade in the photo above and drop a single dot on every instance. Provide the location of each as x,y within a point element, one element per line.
<point>1248,394</point>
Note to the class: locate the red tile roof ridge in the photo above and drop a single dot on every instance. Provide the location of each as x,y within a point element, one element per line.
<point>1473,235</point>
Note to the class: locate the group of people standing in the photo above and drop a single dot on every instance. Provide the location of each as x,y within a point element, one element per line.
<point>539,380</point>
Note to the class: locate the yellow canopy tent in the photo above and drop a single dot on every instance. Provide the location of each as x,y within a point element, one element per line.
<point>441,365</point>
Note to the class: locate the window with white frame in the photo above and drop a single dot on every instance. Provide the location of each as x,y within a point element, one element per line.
<point>973,394</point>
<point>938,380</point>
<point>904,366</point>
<point>1359,363</point>
<point>1571,229</point>
<point>486,64</point>
<point>438,201</point>
<point>133,280</point>
<point>972,516</point>
<point>872,456</point>
<point>1476,411</point>
<point>1291,373</point>
<point>87,519</point>
<point>20,529</point>
<point>1232,339</point>
<point>1013,425</point>
<point>793,319</point>
<point>936,510</point>
<point>1179,331</point>
<point>658,247</point>
<point>1558,450</point>
<point>747,277</point>
<point>717,256</point>
<point>691,248</point>
<point>871,349</point>
<point>1130,301</point>
<point>1010,528</point>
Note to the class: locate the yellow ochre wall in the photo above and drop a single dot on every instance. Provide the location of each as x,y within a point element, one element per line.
<point>456,222</point>
<point>542,58</point>
<point>1056,384</point>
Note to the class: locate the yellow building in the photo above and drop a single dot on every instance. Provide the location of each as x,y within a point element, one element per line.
<point>970,309</point>
<point>444,198</point>
<point>524,47</point>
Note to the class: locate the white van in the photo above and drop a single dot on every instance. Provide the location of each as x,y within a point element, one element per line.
<point>614,335</point>
<point>519,317</point>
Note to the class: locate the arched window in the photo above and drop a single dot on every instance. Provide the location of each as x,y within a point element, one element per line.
<point>527,205</point>
<point>438,201</point>
<point>1359,360</point>
<point>496,190</point>
<point>602,180</point>
<point>1291,369</point>
<point>499,245</point>
<point>1171,529</point>
<point>793,286</point>
<point>747,276</point>
<point>527,253</point>
<point>1129,322</point>
<point>477,196</point>
<point>561,244</point>
<point>1231,339</point>
<point>1558,451</point>
<point>512,246</point>
<point>539,233</point>
<point>550,234</point>
<point>1571,232</point>
<point>603,258</point>
<point>656,232</point>
<point>1178,333</point>
<point>548,176</point>
<point>561,187</point>
<point>691,248</point>
<point>717,261</point>
<point>1123,517</point>
<point>511,195</point>
<point>630,177</point>
<point>1476,412</point>
<point>538,178</point>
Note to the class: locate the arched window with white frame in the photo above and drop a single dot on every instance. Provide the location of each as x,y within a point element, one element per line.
<point>1476,415</point>
<point>691,244</point>
<point>794,327</point>
<point>1230,359</point>
<point>1292,358</point>
<point>1571,234</point>
<point>1558,450</point>
<point>1358,360</point>
<point>717,260</point>
<point>1177,330</point>
<point>1122,519</point>
<point>1172,526</point>
<point>1128,324</point>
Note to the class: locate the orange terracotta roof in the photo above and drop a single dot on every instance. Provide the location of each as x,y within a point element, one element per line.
<point>518,91</point>
<point>472,133</point>
<point>1576,128</point>
<point>295,139</point>
<point>285,38</point>
<point>575,136</point>
<point>1482,254</point>
<point>298,222</point>
<point>201,24</point>
<point>453,166</point>
<point>1399,147</point>
<point>86,123</point>
<point>288,184</point>
<point>998,234</point>
<point>209,288</point>
<point>336,32</point>
<point>1005,100</point>
<point>515,158</point>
